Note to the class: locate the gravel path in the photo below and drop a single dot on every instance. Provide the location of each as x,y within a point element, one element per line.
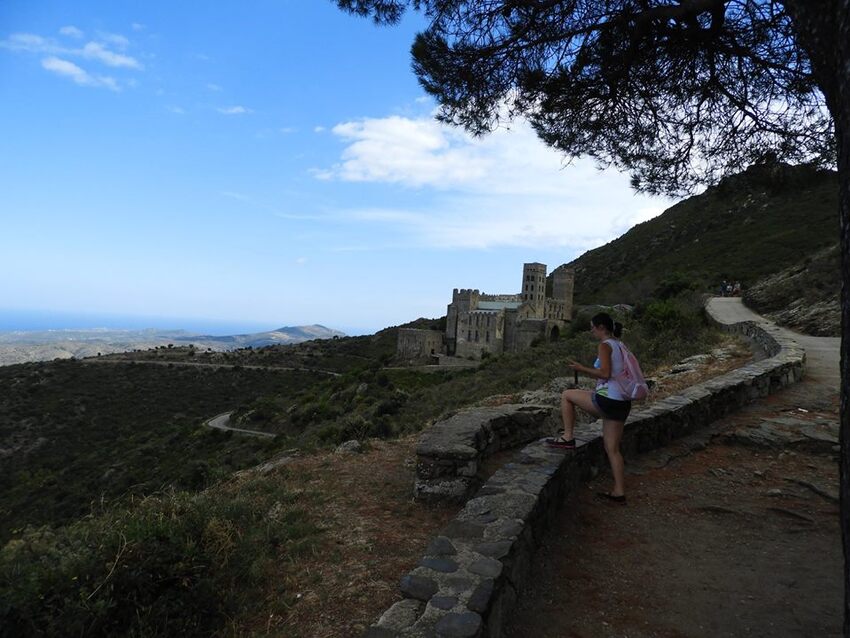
<point>724,534</point>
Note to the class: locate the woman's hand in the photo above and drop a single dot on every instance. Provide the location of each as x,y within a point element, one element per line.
<point>575,365</point>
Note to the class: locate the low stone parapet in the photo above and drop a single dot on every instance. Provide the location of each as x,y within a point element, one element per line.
<point>450,453</point>
<point>468,580</point>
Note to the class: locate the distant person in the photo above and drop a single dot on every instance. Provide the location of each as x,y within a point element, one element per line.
<point>607,401</point>
<point>736,289</point>
<point>728,289</point>
<point>723,288</point>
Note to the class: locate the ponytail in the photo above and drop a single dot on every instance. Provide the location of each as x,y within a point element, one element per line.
<point>604,319</point>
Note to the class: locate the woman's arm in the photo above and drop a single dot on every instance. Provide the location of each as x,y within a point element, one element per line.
<point>604,371</point>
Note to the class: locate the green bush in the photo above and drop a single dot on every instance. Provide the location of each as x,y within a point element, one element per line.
<point>674,285</point>
<point>665,316</point>
<point>175,564</point>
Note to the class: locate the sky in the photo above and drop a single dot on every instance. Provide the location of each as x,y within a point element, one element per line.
<point>247,166</point>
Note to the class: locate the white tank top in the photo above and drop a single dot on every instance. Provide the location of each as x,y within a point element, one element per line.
<point>611,387</point>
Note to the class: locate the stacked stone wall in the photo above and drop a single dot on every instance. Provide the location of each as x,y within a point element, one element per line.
<point>450,453</point>
<point>419,345</point>
<point>470,576</point>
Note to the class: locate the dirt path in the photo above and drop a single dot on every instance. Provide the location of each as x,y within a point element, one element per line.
<point>725,533</point>
<point>222,422</point>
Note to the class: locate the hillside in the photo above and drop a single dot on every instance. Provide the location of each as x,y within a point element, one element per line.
<point>126,518</point>
<point>805,296</point>
<point>747,227</point>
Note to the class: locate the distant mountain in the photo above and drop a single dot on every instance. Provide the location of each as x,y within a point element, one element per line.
<point>46,345</point>
<point>281,336</point>
<point>749,226</point>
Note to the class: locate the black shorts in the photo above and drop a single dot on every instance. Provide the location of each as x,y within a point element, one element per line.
<point>612,408</point>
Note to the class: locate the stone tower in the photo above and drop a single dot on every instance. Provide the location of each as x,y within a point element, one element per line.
<point>464,300</point>
<point>562,284</point>
<point>533,291</point>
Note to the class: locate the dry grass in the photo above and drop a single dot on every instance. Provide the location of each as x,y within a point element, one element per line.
<point>373,533</point>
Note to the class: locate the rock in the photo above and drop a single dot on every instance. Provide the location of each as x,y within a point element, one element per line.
<point>349,447</point>
<point>361,389</point>
<point>273,464</point>
<point>441,546</point>
<point>443,565</point>
<point>487,567</point>
<point>680,368</point>
<point>784,431</point>
<point>401,615</point>
<point>549,394</point>
<point>465,625</point>
<point>480,599</point>
<point>418,587</point>
<point>497,549</point>
<point>444,602</point>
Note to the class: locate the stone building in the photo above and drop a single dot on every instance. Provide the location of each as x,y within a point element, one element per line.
<point>477,323</point>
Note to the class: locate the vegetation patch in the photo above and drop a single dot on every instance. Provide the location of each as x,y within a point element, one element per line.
<point>171,564</point>
<point>747,227</point>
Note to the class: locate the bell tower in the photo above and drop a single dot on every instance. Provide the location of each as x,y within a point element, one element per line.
<point>533,291</point>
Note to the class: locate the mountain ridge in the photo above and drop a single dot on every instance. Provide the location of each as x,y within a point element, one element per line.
<point>747,227</point>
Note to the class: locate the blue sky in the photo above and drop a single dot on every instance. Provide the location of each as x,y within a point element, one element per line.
<point>257,165</point>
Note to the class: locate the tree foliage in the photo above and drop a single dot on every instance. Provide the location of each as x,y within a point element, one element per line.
<point>675,93</point>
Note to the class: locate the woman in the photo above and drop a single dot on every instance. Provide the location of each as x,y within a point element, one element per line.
<point>607,402</point>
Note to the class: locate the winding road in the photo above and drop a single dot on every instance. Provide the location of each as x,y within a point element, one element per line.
<point>822,353</point>
<point>221,421</point>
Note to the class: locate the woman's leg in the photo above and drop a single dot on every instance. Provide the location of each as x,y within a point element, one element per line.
<point>612,434</point>
<point>569,400</point>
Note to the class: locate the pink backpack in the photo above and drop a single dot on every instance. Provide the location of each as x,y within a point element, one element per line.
<point>631,379</point>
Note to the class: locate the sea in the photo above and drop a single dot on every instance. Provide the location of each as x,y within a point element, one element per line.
<point>38,320</point>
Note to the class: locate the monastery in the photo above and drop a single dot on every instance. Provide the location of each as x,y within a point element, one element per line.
<point>477,323</point>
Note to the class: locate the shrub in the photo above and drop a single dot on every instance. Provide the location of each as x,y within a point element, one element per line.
<point>175,564</point>
<point>674,285</point>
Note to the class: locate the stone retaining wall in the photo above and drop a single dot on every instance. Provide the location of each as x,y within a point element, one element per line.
<point>449,453</point>
<point>468,580</point>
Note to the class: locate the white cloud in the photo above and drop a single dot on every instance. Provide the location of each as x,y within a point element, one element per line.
<point>115,39</point>
<point>300,261</point>
<point>411,152</point>
<point>57,60</point>
<point>71,32</point>
<point>137,27</point>
<point>287,130</point>
<point>73,72</point>
<point>96,51</point>
<point>93,50</point>
<point>234,110</point>
<point>237,196</point>
<point>213,87</point>
<point>319,129</point>
<point>29,42</point>
<point>505,189</point>
<point>176,110</point>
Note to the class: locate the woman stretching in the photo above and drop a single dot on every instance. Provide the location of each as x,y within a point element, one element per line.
<point>607,401</point>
